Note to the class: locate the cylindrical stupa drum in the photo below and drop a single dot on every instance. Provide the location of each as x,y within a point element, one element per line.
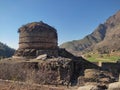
<point>37,35</point>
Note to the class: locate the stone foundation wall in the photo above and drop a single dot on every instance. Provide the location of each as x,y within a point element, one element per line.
<point>35,52</point>
<point>112,67</point>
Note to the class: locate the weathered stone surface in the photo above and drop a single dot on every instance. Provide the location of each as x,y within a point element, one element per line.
<point>93,87</point>
<point>58,69</point>
<point>114,86</point>
<point>42,57</point>
<point>88,87</point>
<point>38,35</point>
<point>67,69</point>
<point>95,76</point>
<point>91,73</point>
<point>99,76</point>
<point>55,71</point>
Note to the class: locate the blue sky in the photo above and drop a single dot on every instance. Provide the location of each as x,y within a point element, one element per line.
<point>73,19</point>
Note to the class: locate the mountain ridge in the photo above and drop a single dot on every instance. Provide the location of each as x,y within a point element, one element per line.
<point>6,51</point>
<point>97,39</point>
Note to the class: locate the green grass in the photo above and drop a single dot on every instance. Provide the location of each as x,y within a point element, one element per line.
<point>101,57</point>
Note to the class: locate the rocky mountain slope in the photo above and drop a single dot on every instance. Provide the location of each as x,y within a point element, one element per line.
<point>6,51</point>
<point>105,38</point>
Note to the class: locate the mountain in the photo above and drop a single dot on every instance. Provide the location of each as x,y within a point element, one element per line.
<point>105,38</point>
<point>6,51</point>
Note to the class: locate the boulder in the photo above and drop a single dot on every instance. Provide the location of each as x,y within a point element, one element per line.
<point>42,57</point>
<point>88,87</point>
<point>114,86</point>
<point>91,73</point>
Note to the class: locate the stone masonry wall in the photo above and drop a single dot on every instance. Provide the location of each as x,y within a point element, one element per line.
<point>38,40</point>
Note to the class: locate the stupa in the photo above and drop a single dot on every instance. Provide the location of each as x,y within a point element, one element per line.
<point>37,38</point>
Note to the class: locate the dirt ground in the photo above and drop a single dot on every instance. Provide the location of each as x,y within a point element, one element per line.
<point>13,85</point>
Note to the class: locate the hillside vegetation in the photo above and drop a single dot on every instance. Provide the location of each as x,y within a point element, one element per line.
<point>5,51</point>
<point>96,57</point>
